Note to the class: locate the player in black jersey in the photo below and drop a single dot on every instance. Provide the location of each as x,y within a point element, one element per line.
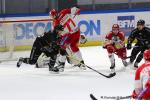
<point>47,44</point>
<point>142,35</point>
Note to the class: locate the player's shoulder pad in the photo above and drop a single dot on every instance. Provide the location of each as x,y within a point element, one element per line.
<point>108,34</point>
<point>121,32</point>
<point>147,29</point>
<point>64,11</point>
<point>140,68</point>
<point>134,31</point>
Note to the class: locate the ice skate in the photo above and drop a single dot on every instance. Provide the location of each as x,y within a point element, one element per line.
<point>19,62</point>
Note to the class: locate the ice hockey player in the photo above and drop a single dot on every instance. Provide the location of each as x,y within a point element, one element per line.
<point>46,43</point>
<point>70,36</point>
<point>142,79</point>
<point>115,44</point>
<point>142,35</point>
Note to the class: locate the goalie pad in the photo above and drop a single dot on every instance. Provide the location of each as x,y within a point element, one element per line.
<point>74,57</point>
<point>42,61</point>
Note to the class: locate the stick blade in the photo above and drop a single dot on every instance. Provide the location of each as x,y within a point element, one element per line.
<point>93,97</point>
<point>111,75</point>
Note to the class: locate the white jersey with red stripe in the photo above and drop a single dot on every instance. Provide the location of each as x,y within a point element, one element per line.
<point>65,18</point>
<point>69,24</point>
<point>141,77</point>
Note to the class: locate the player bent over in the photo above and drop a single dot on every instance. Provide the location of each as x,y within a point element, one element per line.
<point>47,43</point>
<point>114,43</point>
<point>71,35</point>
<point>142,79</point>
<point>61,57</point>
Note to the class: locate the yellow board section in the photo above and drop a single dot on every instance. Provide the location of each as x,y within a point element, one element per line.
<point>17,48</point>
<point>27,47</point>
<point>91,43</point>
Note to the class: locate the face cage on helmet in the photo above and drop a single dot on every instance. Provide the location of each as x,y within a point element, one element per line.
<point>140,24</point>
<point>115,29</point>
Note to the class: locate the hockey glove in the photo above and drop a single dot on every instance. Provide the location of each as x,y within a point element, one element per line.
<point>83,39</point>
<point>134,95</point>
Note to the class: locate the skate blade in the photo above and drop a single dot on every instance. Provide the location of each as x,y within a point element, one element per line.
<point>82,68</point>
<point>61,70</point>
<point>52,72</point>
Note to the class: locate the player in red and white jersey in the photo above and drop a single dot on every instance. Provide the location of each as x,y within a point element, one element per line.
<point>114,43</point>
<point>66,18</point>
<point>142,79</point>
<point>71,35</point>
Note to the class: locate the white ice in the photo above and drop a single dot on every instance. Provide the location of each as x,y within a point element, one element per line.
<point>29,83</point>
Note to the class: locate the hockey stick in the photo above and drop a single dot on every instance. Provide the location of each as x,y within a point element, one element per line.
<point>107,76</point>
<point>132,47</point>
<point>93,97</point>
<point>117,98</point>
<point>70,55</point>
<point>126,97</point>
<point>130,56</point>
<point>142,93</point>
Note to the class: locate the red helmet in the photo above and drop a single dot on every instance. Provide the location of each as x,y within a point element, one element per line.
<point>147,54</point>
<point>115,26</point>
<point>53,12</point>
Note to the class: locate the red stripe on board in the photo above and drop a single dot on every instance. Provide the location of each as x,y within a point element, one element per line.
<point>41,20</point>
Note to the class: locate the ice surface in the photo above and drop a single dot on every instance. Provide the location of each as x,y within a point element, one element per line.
<point>29,83</point>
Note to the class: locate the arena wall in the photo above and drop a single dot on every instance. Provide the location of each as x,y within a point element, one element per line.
<point>22,30</point>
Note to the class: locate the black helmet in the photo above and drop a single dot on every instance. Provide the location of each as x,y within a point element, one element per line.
<point>140,22</point>
<point>58,28</point>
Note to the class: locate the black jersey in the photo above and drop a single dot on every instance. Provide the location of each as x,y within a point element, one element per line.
<point>142,36</point>
<point>47,38</point>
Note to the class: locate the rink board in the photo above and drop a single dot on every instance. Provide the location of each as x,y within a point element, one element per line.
<point>21,31</point>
